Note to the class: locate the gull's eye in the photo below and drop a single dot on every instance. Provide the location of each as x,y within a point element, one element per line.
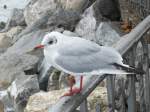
<point>50,42</point>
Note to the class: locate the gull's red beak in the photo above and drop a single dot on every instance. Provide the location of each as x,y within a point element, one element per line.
<point>39,46</point>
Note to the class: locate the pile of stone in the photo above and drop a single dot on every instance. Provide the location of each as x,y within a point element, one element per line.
<point>24,74</point>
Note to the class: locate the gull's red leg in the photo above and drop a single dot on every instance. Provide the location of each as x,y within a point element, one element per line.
<point>81,83</point>
<point>78,90</point>
<point>72,90</point>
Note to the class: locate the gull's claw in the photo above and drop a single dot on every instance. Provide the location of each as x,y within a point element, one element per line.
<point>73,92</point>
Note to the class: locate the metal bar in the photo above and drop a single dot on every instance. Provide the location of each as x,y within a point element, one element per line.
<point>126,42</point>
<point>98,108</point>
<point>83,106</point>
<point>131,101</point>
<point>111,93</point>
<point>147,78</point>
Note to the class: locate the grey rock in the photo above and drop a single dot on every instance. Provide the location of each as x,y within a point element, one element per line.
<point>106,35</point>
<point>14,31</point>
<point>53,82</point>
<point>6,101</point>
<point>44,71</point>
<point>66,19</point>
<point>27,42</point>
<point>87,26</point>
<point>76,5</point>
<point>16,19</point>
<point>5,41</point>
<point>69,33</point>
<point>41,22</point>
<point>35,9</point>
<point>1,107</point>
<point>13,65</point>
<point>21,89</point>
<point>2,25</point>
<point>107,10</point>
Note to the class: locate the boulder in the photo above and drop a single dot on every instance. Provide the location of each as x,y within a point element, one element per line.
<point>5,41</point>
<point>6,101</point>
<point>13,65</point>
<point>21,89</point>
<point>2,25</point>
<point>13,32</point>
<point>76,5</point>
<point>7,38</point>
<point>35,9</point>
<point>44,71</point>
<point>107,10</point>
<point>53,82</point>
<point>16,19</point>
<point>106,35</point>
<point>66,19</point>
<point>87,26</point>
<point>42,101</point>
<point>1,107</point>
<point>27,42</point>
<point>69,33</point>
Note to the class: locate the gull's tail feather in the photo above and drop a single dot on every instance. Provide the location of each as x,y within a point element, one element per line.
<point>129,69</point>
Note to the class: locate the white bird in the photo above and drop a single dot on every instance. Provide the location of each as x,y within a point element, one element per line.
<point>78,56</point>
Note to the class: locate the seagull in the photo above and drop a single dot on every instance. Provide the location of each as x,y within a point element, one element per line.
<point>78,56</point>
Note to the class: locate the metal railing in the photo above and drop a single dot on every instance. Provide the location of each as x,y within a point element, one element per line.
<point>124,95</point>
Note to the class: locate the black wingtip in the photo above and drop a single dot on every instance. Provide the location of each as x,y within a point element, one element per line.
<point>130,69</point>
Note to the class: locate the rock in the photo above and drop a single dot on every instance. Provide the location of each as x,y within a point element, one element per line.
<point>99,95</point>
<point>53,82</point>
<point>7,37</point>
<point>44,71</point>
<point>2,25</point>
<point>69,33</point>
<point>1,107</point>
<point>5,41</point>
<point>6,101</point>
<point>27,42</point>
<point>106,35</point>
<point>21,89</point>
<point>66,19</point>
<point>6,7</point>
<point>16,19</point>
<point>14,31</point>
<point>87,26</point>
<point>35,9</point>
<point>107,10</point>
<point>76,5</point>
<point>40,102</point>
<point>13,65</point>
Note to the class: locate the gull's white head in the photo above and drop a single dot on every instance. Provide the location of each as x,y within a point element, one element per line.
<point>50,39</point>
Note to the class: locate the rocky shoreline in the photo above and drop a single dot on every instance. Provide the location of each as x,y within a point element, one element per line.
<point>24,75</point>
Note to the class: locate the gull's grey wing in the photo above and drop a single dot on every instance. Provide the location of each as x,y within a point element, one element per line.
<point>86,57</point>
